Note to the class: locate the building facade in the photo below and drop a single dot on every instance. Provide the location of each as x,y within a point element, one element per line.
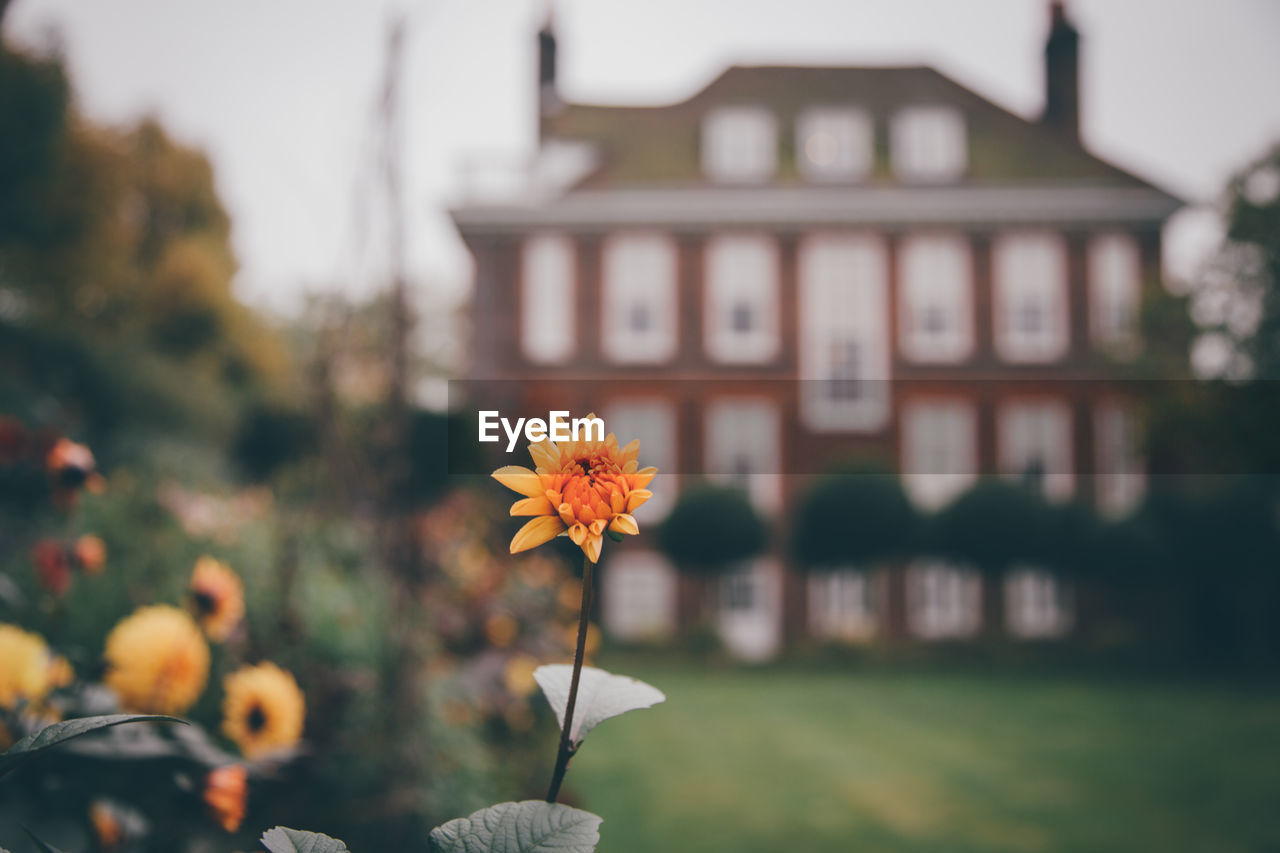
<point>799,265</point>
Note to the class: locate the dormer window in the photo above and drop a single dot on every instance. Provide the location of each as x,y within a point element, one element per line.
<point>833,144</point>
<point>929,144</point>
<point>739,144</point>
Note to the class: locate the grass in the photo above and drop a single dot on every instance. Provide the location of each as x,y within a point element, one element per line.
<point>768,760</point>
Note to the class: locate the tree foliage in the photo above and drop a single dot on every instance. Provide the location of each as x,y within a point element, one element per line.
<point>712,527</point>
<point>853,516</point>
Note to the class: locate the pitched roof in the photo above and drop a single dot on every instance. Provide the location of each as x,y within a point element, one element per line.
<point>660,145</point>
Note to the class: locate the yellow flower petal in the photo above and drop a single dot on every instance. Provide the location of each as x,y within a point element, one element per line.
<point>643,477</point>
<point>624,524</point>
<point>520,480</point>
<point>542,529</point>
<point>631,452</point>
<point>566,515</point>
<point>636,497</point>
<point>578,533</point>
<point>533,506</point>
<point>592,548</point>
<point>545,455</point>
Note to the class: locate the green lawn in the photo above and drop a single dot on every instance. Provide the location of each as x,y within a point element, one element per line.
<point>774,761</point>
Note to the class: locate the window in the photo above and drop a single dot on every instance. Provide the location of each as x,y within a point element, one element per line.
<point>653,422</point>
<point>547,329</point>
<point>1115,276</point>
<point>928,144</point>
<point>1121,481</point>
<point>1034,438</point>
<point>1037,605</point>
<point>844,353</point>
<point>739,144</point>
<point>935,311</point>
<point>639,596</point>
<point>1030,298</point>
<point>738,590</point>
<point>834,144</point>
<point>843,605</point>
<point>943,600</point>
<point>939,450</point>
<point>639,298</point>
<point>742,299</point>
<point>743,448</point>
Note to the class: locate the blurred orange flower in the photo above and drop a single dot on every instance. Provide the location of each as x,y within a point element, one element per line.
<point>106,825</point>
<point>157,661</point>
<point>52,567</point>
<point>91,553</point>
<point>217,596</point>
<point>226,792</point>
<point>263,709</point>
<point>583,487</point>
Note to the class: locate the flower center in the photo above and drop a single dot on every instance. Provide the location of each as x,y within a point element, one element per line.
<point>256,719</point>
<point>205,602</point>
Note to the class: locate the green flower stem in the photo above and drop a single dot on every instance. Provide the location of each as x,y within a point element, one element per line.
<point>566,744</point>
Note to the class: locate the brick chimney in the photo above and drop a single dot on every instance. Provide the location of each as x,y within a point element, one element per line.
<point>1062,73</point>
<point>549,102</point>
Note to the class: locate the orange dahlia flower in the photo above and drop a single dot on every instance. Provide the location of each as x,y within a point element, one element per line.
<point>226,791</point>
<point>217,596</point>
<point>582,487</point>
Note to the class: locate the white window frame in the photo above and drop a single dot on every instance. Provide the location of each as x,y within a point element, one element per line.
<point>745,429</point>
<point>944,600</point>
<point>1043,428</point>
<point>548,298</point>
<point>1037,604</point>
<point>935,270</point>
<point>1029,269</point>
<point>938,443</point>
<point>741,268</point>
<point>659,436</point>
<point>844,303</point>
<point>1121,478</point>
<point>1115,290</point>
<point>929,143</point>
<point>739,144</point>
<point>638,596</point>
<point>845,603</point>
<point>848,134</point>
<point>631,282</point>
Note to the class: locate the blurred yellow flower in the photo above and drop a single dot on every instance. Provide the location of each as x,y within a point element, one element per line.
<point>28,670</point>
<point>500,629</point>
<point>583,487</point>
<point>157,661</point>
<point>517,675</point>
<point>217,596</point>
<point>592,644</point>
<point>226,794</point>
<point>263,709</point>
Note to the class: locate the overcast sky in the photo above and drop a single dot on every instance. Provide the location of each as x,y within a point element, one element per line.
<point>281,92</point>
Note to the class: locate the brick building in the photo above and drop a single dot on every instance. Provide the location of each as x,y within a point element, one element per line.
<point>801,264</point>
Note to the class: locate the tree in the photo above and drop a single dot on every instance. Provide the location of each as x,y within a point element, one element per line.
<point>711,528</point>
<point>853,517</point>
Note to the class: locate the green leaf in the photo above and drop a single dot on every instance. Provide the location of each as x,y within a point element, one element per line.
<point>44,848</point>
<point>282,839</point>
<point>528,827</point>
<point>57,733</point>
<point>601,695</point>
